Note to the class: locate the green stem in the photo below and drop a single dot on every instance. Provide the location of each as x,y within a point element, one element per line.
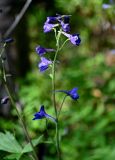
<point>53,83</point>
<point>63,44</point>
<point>54,101</point>
<point>57,141</point>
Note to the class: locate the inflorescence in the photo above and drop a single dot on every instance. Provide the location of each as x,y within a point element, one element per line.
<point>59,23</point>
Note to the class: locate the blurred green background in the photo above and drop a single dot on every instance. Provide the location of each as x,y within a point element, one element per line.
<point>87,127</point>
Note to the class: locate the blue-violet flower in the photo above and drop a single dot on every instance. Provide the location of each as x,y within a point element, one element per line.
<point>42,114</point>
<point>48,27</point>
<point>64,21</point>
<point>65,26</point>
<point>44,64</point>
<point>52,22</point>
<point>74,38</point>
<point>40,50</point>
<point>72,93</point>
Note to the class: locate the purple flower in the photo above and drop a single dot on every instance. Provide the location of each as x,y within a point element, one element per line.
<point>64,21</point>
<point>74,38</point>
<point>40,50</point>
<point>53,22</point>
<point>48,27</point>
<point>65,18</point>
<point>5,100</point>
<point>65,26</point>
<point>44,64</point>
<point>42,114</point>
<point>72,93</point>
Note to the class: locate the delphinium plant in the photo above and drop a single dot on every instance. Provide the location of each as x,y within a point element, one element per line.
<point>58,24</point>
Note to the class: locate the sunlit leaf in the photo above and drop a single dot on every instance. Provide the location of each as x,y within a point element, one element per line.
<point>9,143</point>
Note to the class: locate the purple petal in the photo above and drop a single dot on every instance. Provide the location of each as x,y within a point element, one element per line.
<point>65,27</point>
<point>72,93</point>
<point>43,65</point>
<point>75,39</point>
<point>40,50</point>
<point>48,27</point>
<point>51,20</point>
<point>42,114</point>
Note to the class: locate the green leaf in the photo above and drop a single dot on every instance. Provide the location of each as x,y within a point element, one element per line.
<point>14,156</point>
<point>35,142</point>
<point>8,143</point>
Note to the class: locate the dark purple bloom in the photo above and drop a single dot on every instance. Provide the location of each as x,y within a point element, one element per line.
<point>66,18</point>
<point>64,21</point>
<point>42,114</point>
<point>44,64</point>
<point>40,50</point>
<point>51,20</point>
<point>74,38</point>
<point>5,100</point>
<point>72,93</point>
<point>65,26</point>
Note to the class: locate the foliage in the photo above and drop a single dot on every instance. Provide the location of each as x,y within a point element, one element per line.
<point>8,143</point>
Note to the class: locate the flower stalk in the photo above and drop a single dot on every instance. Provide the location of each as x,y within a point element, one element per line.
<point>54,98</point>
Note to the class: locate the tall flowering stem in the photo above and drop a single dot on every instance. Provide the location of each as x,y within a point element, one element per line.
<point>60,25</point>
<point>53,94</point>
<point>13,104</point>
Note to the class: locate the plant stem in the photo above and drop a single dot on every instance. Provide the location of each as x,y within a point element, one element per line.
<point>54,101</point>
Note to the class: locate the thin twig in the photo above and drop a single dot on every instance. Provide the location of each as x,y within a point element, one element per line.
<point>17,19</point>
